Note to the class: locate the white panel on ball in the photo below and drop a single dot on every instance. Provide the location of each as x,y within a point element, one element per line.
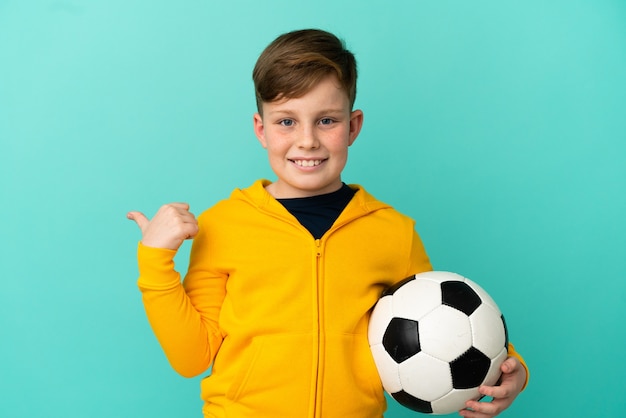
<point>445,333</point>
<point>418,297</point>
<point>387,369</point>
<point>431,383</point>
<point>494,373</point>
<point>455,397</point>
<point>488,330</point>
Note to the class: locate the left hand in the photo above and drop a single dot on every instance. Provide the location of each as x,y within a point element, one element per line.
<point>512,382</point>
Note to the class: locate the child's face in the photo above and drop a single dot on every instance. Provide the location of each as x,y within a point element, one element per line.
<point>307,139</point>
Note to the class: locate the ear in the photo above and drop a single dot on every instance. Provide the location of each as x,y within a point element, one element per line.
<point>356,122</point>
<point>259,129</point>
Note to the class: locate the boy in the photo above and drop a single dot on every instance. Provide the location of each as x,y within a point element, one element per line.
<point>283,275</point>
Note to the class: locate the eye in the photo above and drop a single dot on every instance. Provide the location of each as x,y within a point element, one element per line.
<point>286,122</point>
<point>326,121</point>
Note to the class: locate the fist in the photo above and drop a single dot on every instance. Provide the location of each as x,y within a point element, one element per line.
<point>172,224</point>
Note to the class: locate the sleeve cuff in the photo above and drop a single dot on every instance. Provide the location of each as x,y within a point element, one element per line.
<point>513,353</point>
<point>156,268</point>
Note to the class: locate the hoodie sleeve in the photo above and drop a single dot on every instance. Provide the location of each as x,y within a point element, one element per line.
<point>183,318</point>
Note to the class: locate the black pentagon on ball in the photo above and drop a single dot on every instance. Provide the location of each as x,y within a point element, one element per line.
<point>412,402</point>
<point>469,369</point>
<point>461,296</point>
<point>401,339</point>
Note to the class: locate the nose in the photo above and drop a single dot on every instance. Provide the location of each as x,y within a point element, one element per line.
<point>307,138</point>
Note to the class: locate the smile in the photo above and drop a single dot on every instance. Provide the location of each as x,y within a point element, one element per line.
<point>307,163</point>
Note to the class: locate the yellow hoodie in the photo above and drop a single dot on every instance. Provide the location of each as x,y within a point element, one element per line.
<point>281,317</point>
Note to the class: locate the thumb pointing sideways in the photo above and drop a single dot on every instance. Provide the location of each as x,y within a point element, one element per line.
<point>139,218</point>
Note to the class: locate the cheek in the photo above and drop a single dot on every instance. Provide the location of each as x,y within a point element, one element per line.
<point>276,148</point>
<point>339,144</point>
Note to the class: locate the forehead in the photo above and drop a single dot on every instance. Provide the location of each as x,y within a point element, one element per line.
<point>327,95</point>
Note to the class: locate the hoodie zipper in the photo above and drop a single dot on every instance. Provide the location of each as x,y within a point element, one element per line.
<point>318,360</point>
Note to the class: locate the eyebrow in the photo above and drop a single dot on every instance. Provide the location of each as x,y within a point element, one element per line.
<point>288,112</point>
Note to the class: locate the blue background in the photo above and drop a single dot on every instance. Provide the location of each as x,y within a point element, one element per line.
<point>499,126</point>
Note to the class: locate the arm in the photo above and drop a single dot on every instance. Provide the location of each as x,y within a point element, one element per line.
<point>418,259</point>
<point>186,327</point>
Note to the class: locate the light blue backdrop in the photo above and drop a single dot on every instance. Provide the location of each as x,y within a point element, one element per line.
<point>499,126</point>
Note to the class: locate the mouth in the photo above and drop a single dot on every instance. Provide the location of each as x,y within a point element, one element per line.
<point>307,163</point>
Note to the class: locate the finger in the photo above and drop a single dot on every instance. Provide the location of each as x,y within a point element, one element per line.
<point>192,229</point>
<point>468,413</point>
<point>139,218</point>
<point>483,409</point>
<point>180,205</point>
<point>510,365</point>
<point>184,225</point>
<point>184,219</point>
<point>495,392</point>
<point>187,217</point>
<point>176,211</point>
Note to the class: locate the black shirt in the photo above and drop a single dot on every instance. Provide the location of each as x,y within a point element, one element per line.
<point>318,213</point>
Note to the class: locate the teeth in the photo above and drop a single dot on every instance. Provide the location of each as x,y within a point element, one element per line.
<point>308,163</point>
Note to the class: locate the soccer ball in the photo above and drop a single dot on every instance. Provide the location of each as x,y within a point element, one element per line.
<point>436,337</point>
